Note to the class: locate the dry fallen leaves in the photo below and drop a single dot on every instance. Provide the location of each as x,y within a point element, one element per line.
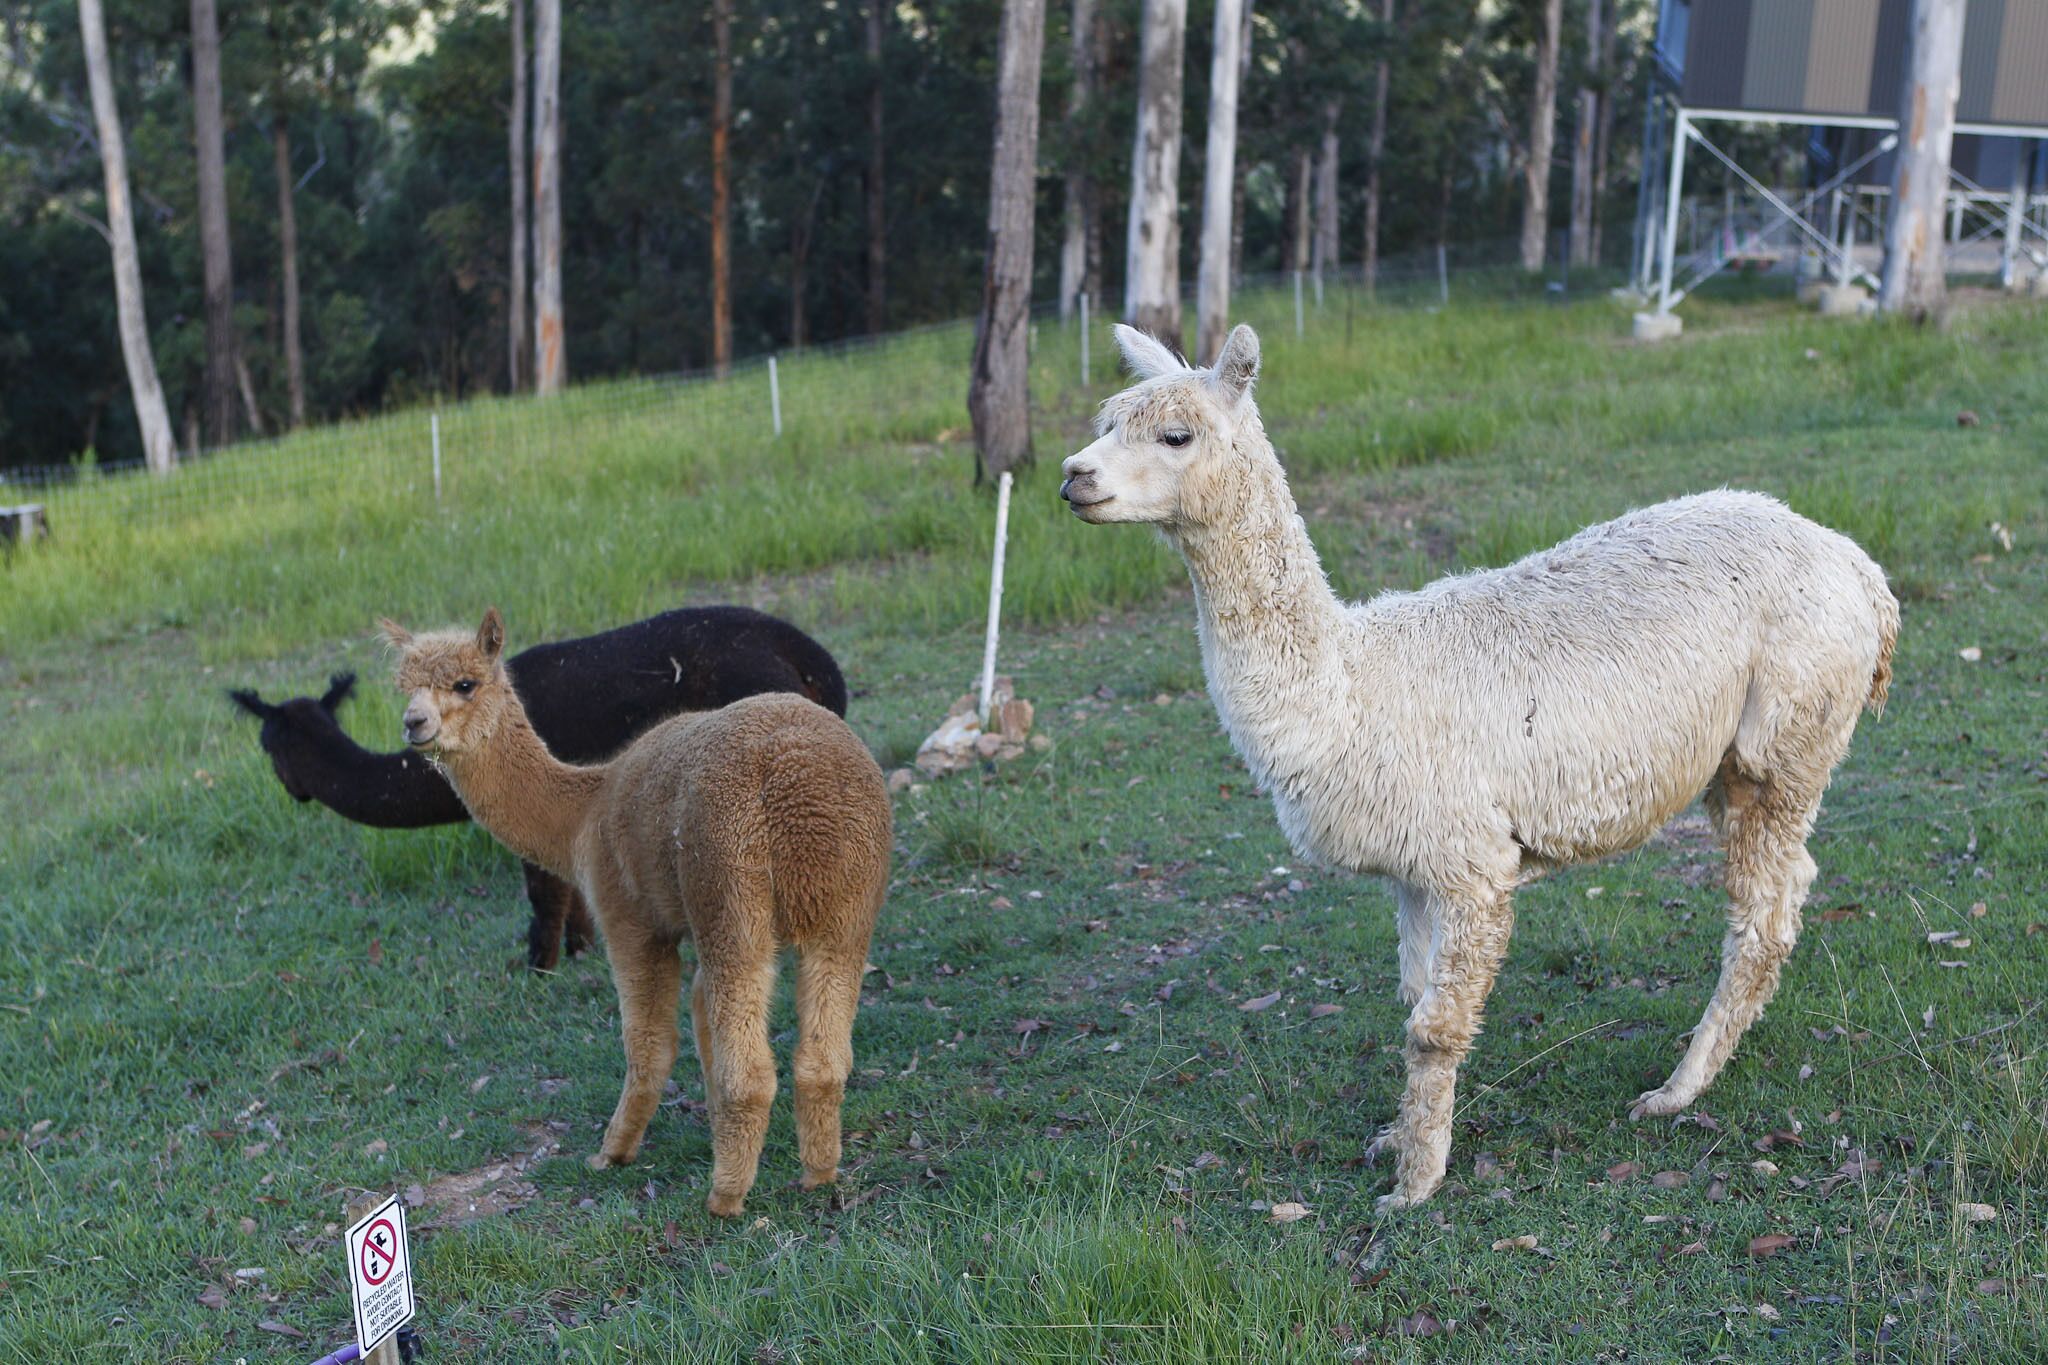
<point>1977,1213</point>
<point>1324,1010</point>
<point>1260,1002</point>
<point>1421,1323</point>
<point>1624,1170</point>
<point>1288,1212</point>
<point>212,1297</point>
<point>1526,1242</point>
<point>1770,1244</point>
<point>1969,654</point>
<point>1671,1180</point>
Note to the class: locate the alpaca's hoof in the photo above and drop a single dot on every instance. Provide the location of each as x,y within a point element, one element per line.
<point>725,1205</point>
<point>814,1179</point>
<point>604,1161</point>
<point>1656,1104</point>
<point>1389,1204</point>
<point>1387,1141</point>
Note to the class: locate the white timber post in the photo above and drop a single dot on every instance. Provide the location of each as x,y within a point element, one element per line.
<point>774,396</point>
<point>995,601</point>
<point>434,424</point>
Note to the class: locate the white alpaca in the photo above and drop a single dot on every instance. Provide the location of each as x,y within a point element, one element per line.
<point>1473,735</point>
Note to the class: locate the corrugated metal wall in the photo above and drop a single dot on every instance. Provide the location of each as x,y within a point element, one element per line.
<point>1848,57</point>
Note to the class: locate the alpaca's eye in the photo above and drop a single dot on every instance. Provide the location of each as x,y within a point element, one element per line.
<point>465,687</point>
<point>1177,439</point>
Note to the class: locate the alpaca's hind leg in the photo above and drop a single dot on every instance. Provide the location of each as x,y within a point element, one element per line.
<point>1763,827</point>
<point>648,973</point>
<point>1411,921</point>
<point>548,896</point>
<point>740,988</point>
<point>578,931</point>
<point>700,1025</point>
<point>1471,938</point>
<point>827,996</point>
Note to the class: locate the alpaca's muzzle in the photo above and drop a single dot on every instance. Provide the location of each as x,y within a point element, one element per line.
<point>420,727</point>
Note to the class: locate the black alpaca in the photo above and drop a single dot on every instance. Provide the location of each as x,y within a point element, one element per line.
<point>587,698</point>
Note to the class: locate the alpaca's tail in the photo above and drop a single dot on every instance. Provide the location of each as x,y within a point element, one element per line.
<point>1887,609</point>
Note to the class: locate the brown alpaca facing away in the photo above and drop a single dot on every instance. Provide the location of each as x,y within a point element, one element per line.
<point>759,826</point>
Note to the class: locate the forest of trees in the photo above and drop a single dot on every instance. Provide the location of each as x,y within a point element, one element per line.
<point>343,205</point>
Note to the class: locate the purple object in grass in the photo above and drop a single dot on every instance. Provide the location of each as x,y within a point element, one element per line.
<point>341,1357</point>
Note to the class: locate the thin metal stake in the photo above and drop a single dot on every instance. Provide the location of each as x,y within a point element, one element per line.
<point>1443,278</point>
<point>774,396</point>
<point>1297,304</point>
<point>1084,337</point>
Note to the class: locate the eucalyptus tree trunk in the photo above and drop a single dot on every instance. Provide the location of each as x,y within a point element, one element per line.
<point>1219,184</point>
<point>550,351</point>
<point>877,201</point>
<point>288,250</point>
<point>721,187</point>
<point>1542,132</point>
<point>1077,230</point>
<point>217,265</point>
<point>159,444</point>
<point>1605,137</point>
<point>1325,257</point>
<point>1301,196</point>
<point>1913,256</point>
<point>999,392</point>
<point>1376,151</point>
<point>517,340</point>
<point>1152,243</point>
<point>1585,139</point>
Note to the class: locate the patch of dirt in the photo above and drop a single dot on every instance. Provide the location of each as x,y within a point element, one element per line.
<point>1691,837</point>
<point>1691,830</point>
<point>496,1187</point>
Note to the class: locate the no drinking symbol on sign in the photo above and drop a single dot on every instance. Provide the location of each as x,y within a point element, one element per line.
<point>379,1274</point>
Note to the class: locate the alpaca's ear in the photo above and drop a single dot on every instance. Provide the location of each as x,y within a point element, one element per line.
<point>338,689</point>
<point>1146,355</point>
<point>395,635</point>
<point>1237,365</point>
<point>490,636</point>
<point>247,699</point>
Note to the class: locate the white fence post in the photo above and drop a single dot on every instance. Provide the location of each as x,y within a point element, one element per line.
<point>1298,331</point>
<point>434,423</point>
<point>1084,336</point>
<point>774,396</point>
<point>1443,278</point>
<point>995,600</point>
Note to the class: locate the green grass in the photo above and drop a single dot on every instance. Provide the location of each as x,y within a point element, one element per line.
<point>222,1014</point>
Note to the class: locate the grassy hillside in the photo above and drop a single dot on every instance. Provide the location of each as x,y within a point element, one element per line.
<point>221,1013</point>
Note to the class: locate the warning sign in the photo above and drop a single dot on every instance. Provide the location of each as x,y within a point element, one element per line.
<point>380,1274</point>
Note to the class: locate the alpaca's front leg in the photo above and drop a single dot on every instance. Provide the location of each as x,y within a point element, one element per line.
<point>648,972</point>
<point>1471,939</point>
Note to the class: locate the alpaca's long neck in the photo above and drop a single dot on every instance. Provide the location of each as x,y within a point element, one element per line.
<point>1272,632</point>
<point>389,791</point>
<point>529,800</point>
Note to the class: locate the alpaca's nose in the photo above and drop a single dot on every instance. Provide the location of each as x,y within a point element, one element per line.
<point>419,725</point>
<point>1080,482</point>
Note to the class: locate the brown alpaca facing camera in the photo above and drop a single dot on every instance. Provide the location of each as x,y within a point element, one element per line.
<point>748,829</point>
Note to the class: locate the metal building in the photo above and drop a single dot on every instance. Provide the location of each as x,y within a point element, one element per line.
<point>1839,67</point>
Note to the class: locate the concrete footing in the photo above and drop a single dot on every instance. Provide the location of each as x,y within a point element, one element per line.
<point>1842,300</point>
<point>1658,326</point>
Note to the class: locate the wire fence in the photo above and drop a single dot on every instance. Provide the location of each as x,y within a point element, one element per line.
<point>905,386</point>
